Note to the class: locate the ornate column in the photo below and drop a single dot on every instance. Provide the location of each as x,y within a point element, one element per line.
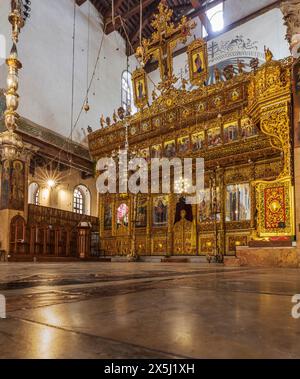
<point>132,231</point>
<point>220,183</point>
<point>13,155</point>
<point>269,106</point>
<point>149,225</point>
<point>171,215</point>
<point>291,14</point>
<point>195,239</point>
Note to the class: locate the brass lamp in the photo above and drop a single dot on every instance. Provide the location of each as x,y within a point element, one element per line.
<point>12,97</point>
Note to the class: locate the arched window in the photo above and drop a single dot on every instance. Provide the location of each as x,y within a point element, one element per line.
<point>215,15</point>
<point>37,197</point>
<point>78,201</point>
<point>81,200</point>
<point>127,91</point>
<point>34,194</point>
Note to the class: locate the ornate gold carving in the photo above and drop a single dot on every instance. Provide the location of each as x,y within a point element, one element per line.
<point>162,43</point>
<point>275,208</point>
<point>269,102</point>
<point>262,97</point>
<point>237,240</point>
<point>275,122</point>
<point>140,88</point>
<point>269,99</point>
<point>183,233</point>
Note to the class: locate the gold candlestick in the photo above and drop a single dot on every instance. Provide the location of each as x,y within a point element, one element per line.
<point>16,18</point>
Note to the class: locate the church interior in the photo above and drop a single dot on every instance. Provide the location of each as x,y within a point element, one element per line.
<point>210,80</point>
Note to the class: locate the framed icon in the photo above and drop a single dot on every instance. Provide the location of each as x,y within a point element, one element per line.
<point>198,140</point>
<point>198,62</point>
<point>231,132</point>
<point>140,88</point>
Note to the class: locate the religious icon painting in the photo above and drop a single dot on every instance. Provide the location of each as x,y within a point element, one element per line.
<point>170,149</point>
<point>156,151</point>
<point>144,153</point>
<point>160,210</point>
<point>214,137</point>
<point>198,141</point>
<point>198,62</point>
<point>248,129</point>
<point>5,184</point>
<point>122,215</point>
<point>238,202</point>
<point>157,122</point>
<point>141,212</point>
<point>17,186</point>
<point>296,101</point>
<point>183,144</point>
<point>231,132</point>
<point>107,216</point>
<point>204,207</point>
<point>140,88</point>
<point>146,125</point>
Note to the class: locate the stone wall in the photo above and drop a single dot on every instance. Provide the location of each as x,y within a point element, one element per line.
<point>45,49</point>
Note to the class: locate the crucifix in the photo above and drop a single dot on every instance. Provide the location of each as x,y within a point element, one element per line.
<point>163,42</point>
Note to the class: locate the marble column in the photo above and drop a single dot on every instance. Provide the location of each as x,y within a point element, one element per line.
<point>291,14</point>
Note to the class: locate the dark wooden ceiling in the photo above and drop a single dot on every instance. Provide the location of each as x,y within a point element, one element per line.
<point>129,12</point>
<point>127,15</point>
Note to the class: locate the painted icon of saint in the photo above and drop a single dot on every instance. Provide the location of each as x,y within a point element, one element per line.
<point>140,90</point>
<point>198,64</point>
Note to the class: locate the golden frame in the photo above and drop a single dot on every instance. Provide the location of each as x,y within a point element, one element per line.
<point>226,126</point>
<point>177,113</point>
<point>197,50</point>
<point>140,88</point>
<point>289,228</point>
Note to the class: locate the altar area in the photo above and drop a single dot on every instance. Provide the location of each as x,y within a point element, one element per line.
<point>240,124</point>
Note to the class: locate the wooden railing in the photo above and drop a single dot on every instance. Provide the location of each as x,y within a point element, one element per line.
<point>57,217</point>
<point>50,232</point>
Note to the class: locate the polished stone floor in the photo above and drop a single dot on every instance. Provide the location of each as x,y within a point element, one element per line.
<point>147,310</point>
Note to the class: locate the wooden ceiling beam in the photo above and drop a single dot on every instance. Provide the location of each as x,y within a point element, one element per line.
<point>136,9</point>
<point>203,16</point>
<point>80,2</point>
<point>206,23</point>
<point>108,14</point>
<point>108,21</point>
<point>136,32</point>
<point>203,8</point>
<point>152,66</point>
